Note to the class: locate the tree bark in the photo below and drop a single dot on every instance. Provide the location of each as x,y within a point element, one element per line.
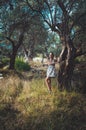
<point>15,49</point>
<point>31,50</point>
<point>12,59</point>
<point>66,65</point>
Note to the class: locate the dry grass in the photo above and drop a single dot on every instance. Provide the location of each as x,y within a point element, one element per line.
<point>27,105</point>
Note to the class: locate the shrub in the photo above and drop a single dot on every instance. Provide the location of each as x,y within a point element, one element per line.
<point>4,61</point>
<point>21,65</point>
<point>80,59</point>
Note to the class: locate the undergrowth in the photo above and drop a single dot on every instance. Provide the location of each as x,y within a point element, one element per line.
<point>27,105</point>
<point>21,65</point>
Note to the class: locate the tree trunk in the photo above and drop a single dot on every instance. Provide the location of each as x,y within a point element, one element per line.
<point>31,50</point>
<point>15,49</point>
<point>12,59</point>
<point>66,66</point>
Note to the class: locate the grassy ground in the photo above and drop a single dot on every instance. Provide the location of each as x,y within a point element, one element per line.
<point>25,104</point>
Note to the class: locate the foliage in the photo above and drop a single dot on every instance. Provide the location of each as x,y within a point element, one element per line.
<point>81,59</point>
<point>21,65</point>
<point>35,36</point>
<point>5,61</point>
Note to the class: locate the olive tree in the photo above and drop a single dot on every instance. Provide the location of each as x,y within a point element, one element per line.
<point>63,17</point>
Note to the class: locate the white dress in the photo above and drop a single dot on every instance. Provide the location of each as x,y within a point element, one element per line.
<point>51,71</point>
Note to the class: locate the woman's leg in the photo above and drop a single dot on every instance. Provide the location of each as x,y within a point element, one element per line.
<point>48,83</point>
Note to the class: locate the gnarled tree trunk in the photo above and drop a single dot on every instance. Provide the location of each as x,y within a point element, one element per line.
<point>66,65</point>
<point>15,48</point>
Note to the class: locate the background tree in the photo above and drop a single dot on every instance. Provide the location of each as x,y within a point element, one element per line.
<point>35,36</point>
<point>14,26</point>
<point>21,26</point>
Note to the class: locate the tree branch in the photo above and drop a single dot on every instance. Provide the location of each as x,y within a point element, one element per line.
<point>49,11</point>
<point>31,6</point>
<point>12,42</point>
<point>38,11</point>
<point>61,5</point>
<point>71,5</point>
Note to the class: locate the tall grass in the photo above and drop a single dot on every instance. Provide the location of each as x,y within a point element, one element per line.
<point>27,105</point>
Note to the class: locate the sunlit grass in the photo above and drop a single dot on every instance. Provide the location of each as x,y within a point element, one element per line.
<point>35,97</point>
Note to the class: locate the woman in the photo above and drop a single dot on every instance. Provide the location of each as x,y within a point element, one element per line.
<point>51,72</point>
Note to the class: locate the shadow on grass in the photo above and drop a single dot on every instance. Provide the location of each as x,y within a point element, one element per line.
<point>67,116</point>
<point>9,118</point>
